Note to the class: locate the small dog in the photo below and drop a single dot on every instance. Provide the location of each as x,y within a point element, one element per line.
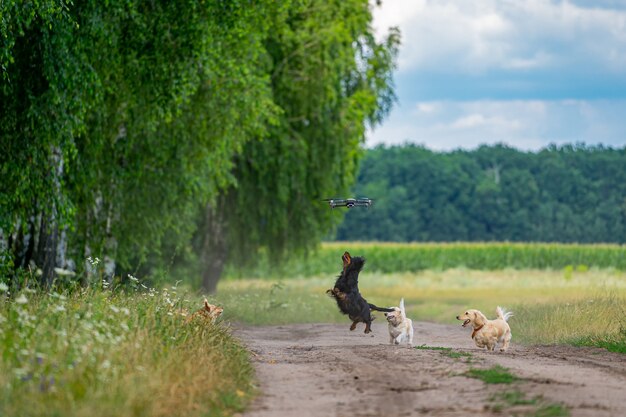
<point>400,326</point>
<point>488,333</point>
<point>349,299</point>
<point>208,312</point>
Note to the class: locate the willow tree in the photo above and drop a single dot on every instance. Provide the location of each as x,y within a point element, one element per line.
<point>331,79</point>
<point>119,118</point>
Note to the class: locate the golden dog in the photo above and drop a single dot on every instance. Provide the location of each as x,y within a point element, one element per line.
<point>488,333</point>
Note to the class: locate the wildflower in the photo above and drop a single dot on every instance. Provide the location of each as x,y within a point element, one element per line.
<point>3,287</point>
<point>125,311</point>
<point>21,299</point>
<point>132,278</point>
<point>106,364</point>
<point>59,308</point>
<point>114,309</point>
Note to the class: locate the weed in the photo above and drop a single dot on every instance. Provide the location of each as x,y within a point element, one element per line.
<point>512,398</point>
<point>494,375</point>
<point>505,399</point>
<point>449,352</point>
<point>551,410</point>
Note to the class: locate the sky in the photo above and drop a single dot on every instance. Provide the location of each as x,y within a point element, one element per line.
<point>526,73</point>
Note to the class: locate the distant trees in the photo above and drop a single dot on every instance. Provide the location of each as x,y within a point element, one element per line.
<point>130,129</point>
<point>494,193</point>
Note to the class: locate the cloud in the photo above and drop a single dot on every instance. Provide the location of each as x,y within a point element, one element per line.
<point>525,124</point>
<point>526,73</point>
<point>486,35</point>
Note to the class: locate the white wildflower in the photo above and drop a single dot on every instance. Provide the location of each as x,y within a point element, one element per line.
<point>114,309</point>
<point>132,278</point>
<point>125,311</point>
<point>106,364</point>
<point>21,299</point>
<point>3,287</point>
<point>59,308</point>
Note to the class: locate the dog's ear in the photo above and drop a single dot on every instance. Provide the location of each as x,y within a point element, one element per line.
<point>479,318</point>
<point>346,259</point>
<point>207,306</point>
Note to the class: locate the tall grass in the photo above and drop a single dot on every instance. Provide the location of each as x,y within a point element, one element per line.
<point>599,320</point>
<point>413,257</point>
<point>102,353</point>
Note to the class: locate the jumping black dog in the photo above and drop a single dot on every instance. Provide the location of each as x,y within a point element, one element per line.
<point>349,299</point>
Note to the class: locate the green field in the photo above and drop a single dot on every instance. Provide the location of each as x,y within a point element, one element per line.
<point>414,257</point>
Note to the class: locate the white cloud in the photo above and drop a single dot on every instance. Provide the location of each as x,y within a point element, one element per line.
<point>481,35</point>
<point>525,124</point>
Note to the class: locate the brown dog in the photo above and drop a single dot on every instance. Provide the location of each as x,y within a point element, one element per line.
<point>208,312</point>
<point>488,333</point>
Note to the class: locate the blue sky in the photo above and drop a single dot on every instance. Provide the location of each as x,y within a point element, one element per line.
<point>522,72</point>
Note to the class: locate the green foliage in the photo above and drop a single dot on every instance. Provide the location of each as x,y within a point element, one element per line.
<point>121,120</point>
<point>399,257</point>
<point>493,193</point>
<point>331,79</point>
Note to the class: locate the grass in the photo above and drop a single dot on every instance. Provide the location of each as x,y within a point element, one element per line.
<point>102,353</point>
<point>449,352</point>
<point>596,321</point>
<point>515,398</point>
<point>494,375</point>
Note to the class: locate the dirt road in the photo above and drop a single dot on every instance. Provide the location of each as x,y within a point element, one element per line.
<point>326,370</point>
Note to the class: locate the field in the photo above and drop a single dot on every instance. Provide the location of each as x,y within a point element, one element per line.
<point>97,352</point>
<point>415,257</point>
<point>546,303</point>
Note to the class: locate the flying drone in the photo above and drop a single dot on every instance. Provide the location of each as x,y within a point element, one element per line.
<point>348,202</point>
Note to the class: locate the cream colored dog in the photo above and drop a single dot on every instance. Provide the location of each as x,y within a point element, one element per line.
<point>400,327</point>
<point>488,333</point>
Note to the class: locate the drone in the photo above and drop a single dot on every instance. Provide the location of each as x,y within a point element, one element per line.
<point>348,202</point>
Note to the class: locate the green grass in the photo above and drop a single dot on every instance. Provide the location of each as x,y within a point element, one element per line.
<point>551,410</point>
<point>449,352</point>
<point>515,398</point>
<point>102,353</point>
<point>495,375</point>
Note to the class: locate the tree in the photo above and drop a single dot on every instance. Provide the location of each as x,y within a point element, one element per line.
<point>330,78</point>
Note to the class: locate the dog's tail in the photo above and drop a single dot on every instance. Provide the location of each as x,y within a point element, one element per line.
<point>402,310</point>
<point>503,314</point>
<point>386,310</point>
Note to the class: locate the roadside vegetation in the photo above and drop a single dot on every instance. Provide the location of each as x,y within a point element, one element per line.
<point>100,352</point>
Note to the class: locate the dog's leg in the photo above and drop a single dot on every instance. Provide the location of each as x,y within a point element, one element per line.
<point>353,325</point>
<point>367,327</point>
<point>391,339</point>
<point>411,336</point>
<point>507,340</point>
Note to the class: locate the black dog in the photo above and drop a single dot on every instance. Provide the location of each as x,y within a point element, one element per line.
<point>349,299</point>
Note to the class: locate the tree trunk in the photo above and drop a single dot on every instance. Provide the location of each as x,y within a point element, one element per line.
<point>214,245</point>
<point>46,250</point>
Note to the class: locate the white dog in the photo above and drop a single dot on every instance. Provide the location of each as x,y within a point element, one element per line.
<point>400,327</point>
<point>488,333</point>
